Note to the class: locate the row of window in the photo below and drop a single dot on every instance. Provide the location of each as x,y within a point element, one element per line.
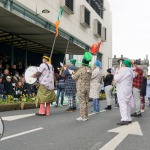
<point>99,31</point>
<point>98,6</point>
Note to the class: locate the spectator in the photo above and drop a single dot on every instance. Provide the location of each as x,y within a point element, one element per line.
<point>28,88</point>
<point>143,93</point>
<point>8,86</point>
<point>18,90</point>
<point>7,66</point>
<point>14,70</point>
<point>148,89</point>
<point>6,73</point>
<point>1,87</point>
<point>108,88</point>
<point>16,78</point>
<point>1,69</point>
<point>60,88</point>
<point>24,84</point>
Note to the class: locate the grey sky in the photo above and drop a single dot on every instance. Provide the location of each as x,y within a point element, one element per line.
<point>131,28</point>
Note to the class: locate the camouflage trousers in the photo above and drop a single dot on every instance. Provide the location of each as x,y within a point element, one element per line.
<point>83,103</point>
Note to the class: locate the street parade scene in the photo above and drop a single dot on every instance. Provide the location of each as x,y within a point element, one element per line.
<point>64,83</point>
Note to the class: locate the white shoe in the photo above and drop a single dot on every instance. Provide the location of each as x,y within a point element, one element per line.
<point>79,119</point>
<point>142,110</point>
<point>85,119</point>
<point>82,119</point>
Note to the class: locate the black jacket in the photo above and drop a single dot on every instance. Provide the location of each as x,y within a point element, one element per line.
<point>9,88</point>
<point>144,85</point>
<point>108,80</point>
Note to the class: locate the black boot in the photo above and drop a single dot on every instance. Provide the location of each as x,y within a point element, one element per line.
<point>108,107</point>
<point>74,108</point>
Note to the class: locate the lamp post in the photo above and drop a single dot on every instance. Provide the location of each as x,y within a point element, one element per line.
<point>44,11</point>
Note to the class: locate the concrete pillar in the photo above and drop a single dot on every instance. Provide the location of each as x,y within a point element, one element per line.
<point>12,51</point>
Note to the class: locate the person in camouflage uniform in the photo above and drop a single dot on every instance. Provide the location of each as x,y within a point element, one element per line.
<point>83,77</point>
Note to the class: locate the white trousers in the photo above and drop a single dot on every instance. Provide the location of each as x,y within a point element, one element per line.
<point>136,95</point>
<point>125,110</point>
<point>108,90</point>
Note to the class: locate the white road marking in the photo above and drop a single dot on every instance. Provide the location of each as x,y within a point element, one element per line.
<point>94,113</point>
<point>12,118</point>
<point>19,134</point>
<point>133,128</point>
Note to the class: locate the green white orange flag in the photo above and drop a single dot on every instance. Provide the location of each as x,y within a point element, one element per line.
<point>58,20</point>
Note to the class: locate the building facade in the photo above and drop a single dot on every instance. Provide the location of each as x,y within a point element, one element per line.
<point>83,23</point>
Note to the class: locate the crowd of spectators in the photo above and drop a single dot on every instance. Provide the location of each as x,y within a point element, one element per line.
<point>12,81</point>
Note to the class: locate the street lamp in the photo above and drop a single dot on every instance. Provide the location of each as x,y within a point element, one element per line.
<point>44,11</point>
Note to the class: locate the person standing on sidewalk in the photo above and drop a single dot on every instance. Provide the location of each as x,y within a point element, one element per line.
<point>60,88</point>
<point>82,78</point>
<point>137,84</point>
<point>124,80</point>
<point>108,88</point>
<point>148,89</point>
<point>143,93</point>
<point>95,85</point>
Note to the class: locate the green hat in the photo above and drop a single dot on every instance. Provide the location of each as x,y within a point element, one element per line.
<point>73,61</point>
<point>87,58</point>
<point>127,63</point>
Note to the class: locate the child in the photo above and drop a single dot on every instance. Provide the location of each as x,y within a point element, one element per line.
<point>18,90</point>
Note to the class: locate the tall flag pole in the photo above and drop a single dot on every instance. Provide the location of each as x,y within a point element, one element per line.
<point>57,26</point>
<point>66,52</point>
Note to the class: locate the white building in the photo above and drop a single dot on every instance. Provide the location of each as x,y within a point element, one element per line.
<point>83,23</point>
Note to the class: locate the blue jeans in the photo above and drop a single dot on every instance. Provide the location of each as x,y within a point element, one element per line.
<point>96,105</point>
<point>60,91</point>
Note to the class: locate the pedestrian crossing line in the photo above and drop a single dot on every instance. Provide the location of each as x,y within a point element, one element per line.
<point>21,133</point>
<point>16,117</point>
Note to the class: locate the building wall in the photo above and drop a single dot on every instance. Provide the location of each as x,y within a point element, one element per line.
<point>71,23</point>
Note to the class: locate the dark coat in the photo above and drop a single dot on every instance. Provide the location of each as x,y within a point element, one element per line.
<point>9,88</point>
<point>70,84</point>
<point>144,85</point>
<point>1,88</point>
<point>108,80</point>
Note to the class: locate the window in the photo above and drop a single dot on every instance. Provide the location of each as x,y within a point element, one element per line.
<point>98,6</point>
<point>104,34</point>
<point>97,28</point>
<point>69,4</point>
<point>85,16</point>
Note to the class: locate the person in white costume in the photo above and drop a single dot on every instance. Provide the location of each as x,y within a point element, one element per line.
<point>124,80</point>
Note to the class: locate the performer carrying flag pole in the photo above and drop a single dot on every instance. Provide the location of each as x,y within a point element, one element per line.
<point>56,25</point>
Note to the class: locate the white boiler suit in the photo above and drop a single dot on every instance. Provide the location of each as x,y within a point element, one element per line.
<point>124,80</point>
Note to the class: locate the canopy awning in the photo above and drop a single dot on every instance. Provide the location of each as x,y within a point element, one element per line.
<point>23,33</point>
